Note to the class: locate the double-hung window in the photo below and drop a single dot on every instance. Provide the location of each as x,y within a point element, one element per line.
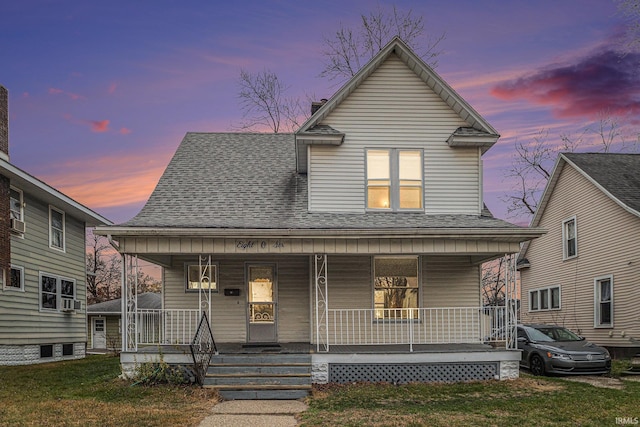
<point>394,179</point>
<point>395,287</point>
<point>16,279</point>
<point>53,289</point>
<point>603,302</point>
<point>569,238</point>
<point>202,277</point>
<point>15,204</point>
<point>56,228</point>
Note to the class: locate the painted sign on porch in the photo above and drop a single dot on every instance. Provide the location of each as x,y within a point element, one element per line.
<point>259,245</point>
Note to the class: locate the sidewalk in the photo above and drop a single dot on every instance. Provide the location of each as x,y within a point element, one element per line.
<point>254,413</point>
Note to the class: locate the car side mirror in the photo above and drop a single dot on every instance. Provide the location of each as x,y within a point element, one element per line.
<point>523,340</point>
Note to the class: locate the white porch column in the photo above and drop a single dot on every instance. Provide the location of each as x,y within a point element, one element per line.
<point>129,302</point>
<point>322,302</point>
<point>511,300</point>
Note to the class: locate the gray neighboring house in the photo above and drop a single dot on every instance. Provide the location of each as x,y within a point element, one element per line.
<point>104,321</point>
<point>355,242</point>
<point>42,264</point>
<point>585,273</point>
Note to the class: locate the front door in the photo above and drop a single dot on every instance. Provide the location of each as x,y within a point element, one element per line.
<point>262,312</point>
<point>99,338</point>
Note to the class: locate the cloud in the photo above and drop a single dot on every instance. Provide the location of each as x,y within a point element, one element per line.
<point>99,126</point>
<point>124,131</point>
<point>112,87</point>
<point>70,95</point>
<point>602,81</point>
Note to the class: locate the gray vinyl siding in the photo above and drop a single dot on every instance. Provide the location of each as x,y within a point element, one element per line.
<point>22,321</point>
<point>394,108</point>
<point>608,241</point>
<point>228,314</point>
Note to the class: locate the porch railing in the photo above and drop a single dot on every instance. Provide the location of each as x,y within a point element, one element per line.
<point>449,325</point>
<point>156,326</point>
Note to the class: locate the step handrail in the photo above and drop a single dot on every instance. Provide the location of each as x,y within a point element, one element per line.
<point>203,347</point>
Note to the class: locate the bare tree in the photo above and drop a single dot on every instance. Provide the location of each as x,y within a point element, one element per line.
<point>265,105</point>
<point>493,283</point>
<point>532,162</point>
<point>349,49</point>
<point>264,97</point>
<point>103,270</point>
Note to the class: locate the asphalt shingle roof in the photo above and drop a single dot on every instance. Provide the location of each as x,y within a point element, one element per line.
<point>249,180</point>
<point>619,174</point>
<point>147,300</point>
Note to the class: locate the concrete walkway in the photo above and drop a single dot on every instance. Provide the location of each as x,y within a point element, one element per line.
<point>255,413</point>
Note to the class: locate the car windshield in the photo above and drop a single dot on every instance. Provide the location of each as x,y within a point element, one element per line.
<point>559,334</point>
<point>536,335</point>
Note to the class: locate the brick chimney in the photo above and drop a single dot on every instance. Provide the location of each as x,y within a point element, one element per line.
<point>315,105</point>
<point>5,219</point>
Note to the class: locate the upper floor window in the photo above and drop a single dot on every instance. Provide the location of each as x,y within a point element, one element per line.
<point>394,179</point>
<point>569,238</point>
<point>16,279</point>
<point>16,204</point>
<point>603,301</point>
<point>56,228</point>
<point>202,277</point>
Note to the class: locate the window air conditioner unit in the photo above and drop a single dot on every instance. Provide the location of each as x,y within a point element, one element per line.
<point>17,225</point>
<point>67,304</point>
<point>77,304</point>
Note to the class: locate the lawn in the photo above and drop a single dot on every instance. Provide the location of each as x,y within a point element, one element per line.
<point>528,401</point>
<point>87,392</point>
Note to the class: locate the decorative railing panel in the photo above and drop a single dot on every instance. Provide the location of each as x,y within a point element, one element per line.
<point>203,346</point>
<point>177,327</point>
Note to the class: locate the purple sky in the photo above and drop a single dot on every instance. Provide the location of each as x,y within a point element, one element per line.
<point>101,93</point>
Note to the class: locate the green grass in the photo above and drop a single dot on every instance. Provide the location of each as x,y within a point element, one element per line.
<point>528,401</point>
<point>87,392</point>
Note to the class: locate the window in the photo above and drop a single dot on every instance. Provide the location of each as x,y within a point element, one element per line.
<point>56,228</point>
<point>394,179</point>
<point>67,349</point>
<point>395,287</point>
<point>46,351</point>
<point>16,279</point>
<point>569,238</point>
<point>604,302</point>
<point>15,204</point>
<point>202,279</point>
<point>544,299</point>
<point>53,289</point>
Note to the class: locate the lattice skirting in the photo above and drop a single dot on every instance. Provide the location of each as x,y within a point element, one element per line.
<point>406,373</point>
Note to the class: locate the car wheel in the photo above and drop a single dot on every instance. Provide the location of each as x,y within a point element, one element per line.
<point>537,365</point>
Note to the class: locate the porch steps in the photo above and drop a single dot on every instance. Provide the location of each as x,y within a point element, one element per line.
<point>260,376</point>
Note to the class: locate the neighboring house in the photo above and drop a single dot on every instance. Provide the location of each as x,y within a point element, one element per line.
<point>104,321</point>
<point>361,235</point>
<point>585,273</point>
<point>42,260</point>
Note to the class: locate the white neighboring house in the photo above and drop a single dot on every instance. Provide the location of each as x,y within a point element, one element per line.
<point>358,240</point>
<point>585,273</point>
<point>42,264</point>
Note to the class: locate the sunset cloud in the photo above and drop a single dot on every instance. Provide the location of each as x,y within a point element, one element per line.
<point>112,88</point>
<point>70,95</point>
<point>602,81</point>
<point>99,126</point>
<point>124,131</point>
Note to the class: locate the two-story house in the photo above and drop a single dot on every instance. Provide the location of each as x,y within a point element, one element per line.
<point>357,241</point>
<point>585,273</point>
<point>42,264</point>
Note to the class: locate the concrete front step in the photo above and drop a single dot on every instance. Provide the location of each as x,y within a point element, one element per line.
<point>258,376</point>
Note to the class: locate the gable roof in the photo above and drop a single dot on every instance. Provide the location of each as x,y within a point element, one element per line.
<point>479,132</point>
<point>50,195</point>
<point>616,175</point>
<point>232,183</point>
<point>147,300</point>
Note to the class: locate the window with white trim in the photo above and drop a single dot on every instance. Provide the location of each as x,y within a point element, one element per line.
<point>394,179</point>
<point>16,204</point>
<point>16,279</point>
<point>198,277</point>
<point>544,299</point>
<point>603,302</point>
<point>56,228</point>
<point>569,238</point>
<point>53,289</point>
<point>396,287</point>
